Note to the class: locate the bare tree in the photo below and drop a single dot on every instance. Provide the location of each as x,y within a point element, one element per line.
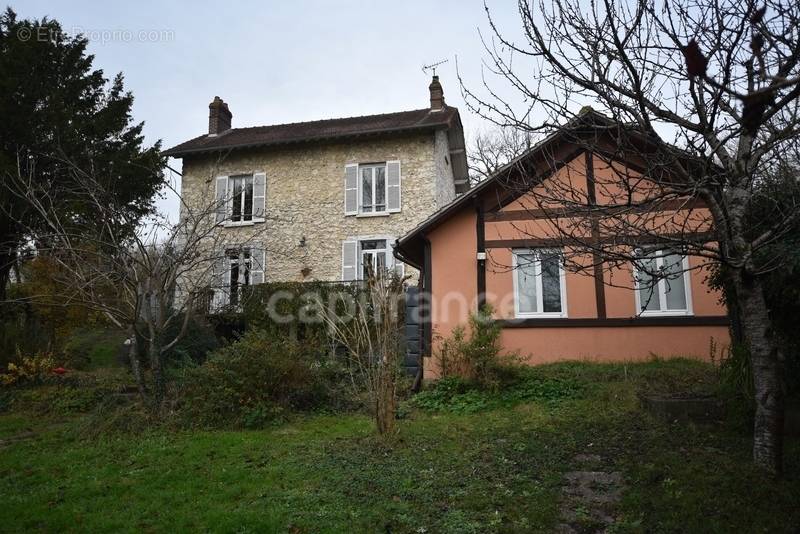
<point>493,149</point>
<point>149,283</point>
<point>372,335</point>
<point>719,80</point>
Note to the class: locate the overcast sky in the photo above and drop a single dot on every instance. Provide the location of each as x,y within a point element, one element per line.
<point>278,61</point>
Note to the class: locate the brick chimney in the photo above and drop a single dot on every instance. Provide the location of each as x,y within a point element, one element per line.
<point>219,117</point>
<point>437,94</point>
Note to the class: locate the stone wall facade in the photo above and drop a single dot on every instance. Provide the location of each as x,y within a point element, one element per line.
<point>305,222</point>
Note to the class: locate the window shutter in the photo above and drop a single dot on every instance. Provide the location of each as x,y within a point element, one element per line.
<point>397,265</point>
<point>259,195</point>
<point>349,260</point>
<point>393,186</point>
<point>257,261</point>
<point>226,273</point>
<point>218,282</point>
<point>351,189</point>
<point>222,190</point>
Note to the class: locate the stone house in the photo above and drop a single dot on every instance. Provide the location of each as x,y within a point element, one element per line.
<point>320,200</point>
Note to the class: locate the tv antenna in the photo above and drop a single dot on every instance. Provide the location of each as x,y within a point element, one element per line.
<point>432,66</point>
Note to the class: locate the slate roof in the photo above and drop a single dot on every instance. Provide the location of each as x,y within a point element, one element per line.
<point>322,130</point>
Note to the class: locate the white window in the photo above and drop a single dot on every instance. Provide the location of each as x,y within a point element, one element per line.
<point>365,255</point>
<point>236,268</point>
<point>373,257</point>
<point>239,265</point>
<point>373,188</point>
<point>539,289</point>
<point>662,284</point>
<point>241,199</point>
<point>240,194</point>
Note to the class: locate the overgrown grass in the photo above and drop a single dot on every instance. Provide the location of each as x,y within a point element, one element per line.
<point>498,468</point>
<point>93,348</point>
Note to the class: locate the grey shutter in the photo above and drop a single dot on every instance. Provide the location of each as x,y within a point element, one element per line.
<point>351,189</point>
<point>222,190</point>
<point>393,186</point>
<point>256,265</point>
<point>397,265</point>
<point>349,260</point>
<point>217,279</point>
<point>259,195</point>
<point>218,282</point>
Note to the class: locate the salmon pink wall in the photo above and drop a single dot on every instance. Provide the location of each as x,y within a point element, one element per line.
<point>606,344</point>
<point>454,291</point>
<point>454,272</point>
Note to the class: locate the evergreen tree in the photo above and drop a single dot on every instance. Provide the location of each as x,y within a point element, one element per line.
<point>59,115</point>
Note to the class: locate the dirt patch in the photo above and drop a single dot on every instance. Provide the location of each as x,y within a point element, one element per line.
<point>697,408</point>
<point>589,496</point>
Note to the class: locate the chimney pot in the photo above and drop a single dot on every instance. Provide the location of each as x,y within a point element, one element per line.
<point>437,94</point>
<point>219,117</point>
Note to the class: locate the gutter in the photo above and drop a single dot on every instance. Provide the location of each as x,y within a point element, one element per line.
<point>401,254</point>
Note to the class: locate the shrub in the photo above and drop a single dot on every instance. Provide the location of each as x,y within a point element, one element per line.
<point>74,392</point>
<point>198,342</point>
<point>28,369</point>
<point>258,379</point>
<point>736,373</point>
<point>454,394</point>
<point>291,300</point>
<point>478,358</point>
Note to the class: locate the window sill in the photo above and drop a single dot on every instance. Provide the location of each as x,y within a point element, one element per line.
<point>378,214</point>
<point>543,315</point>
<point>232,224</point>
<point>667,313</point>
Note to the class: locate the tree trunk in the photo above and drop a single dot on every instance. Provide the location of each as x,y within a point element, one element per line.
<point>156,367</point>
<point>7,259</point>
<point>767,373</point>
<point>136,367</point>
<point>385,401</point>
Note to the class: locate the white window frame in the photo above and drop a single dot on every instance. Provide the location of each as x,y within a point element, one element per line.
<point>245,177</point>
<point>538,277</point>
<point>373,213</point>
<point>391,262</point>
<point>661,287</point>
<point>386,250</point>
<point>254,219</point>
<point>239,260</point>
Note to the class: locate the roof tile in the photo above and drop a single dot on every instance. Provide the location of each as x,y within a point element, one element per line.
<point>297,132</point>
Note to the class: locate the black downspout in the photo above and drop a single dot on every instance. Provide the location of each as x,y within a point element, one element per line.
<point>480,234</point>
<point>423,306</point>
<point>424,310</point>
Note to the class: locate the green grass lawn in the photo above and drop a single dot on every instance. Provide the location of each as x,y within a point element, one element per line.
<point>495,470</point>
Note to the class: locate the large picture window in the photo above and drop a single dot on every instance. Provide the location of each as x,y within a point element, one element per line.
<point>663,284</point>
<point>539,283</point>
